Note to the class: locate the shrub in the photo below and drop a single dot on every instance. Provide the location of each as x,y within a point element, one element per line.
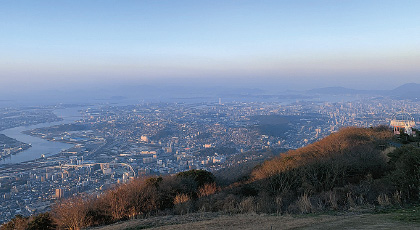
<point>202,177</point>
<point>17,223</point>
<point>230,204</point>
<point>207,189</point>
<point>71,213</point>
<point>383,200</point>
<point>304,204</point>
<point>182,204</point>
<point>42,221</point>
<point>406,174</point>
<point>247,205</point>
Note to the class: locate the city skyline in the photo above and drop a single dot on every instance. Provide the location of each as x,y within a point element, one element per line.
<point>123,110</point>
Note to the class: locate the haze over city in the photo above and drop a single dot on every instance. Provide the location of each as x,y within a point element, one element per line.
<point>276,45</point>
<point>230,114</point>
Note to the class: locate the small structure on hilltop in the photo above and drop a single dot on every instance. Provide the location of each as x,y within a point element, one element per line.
<point>403,121</point>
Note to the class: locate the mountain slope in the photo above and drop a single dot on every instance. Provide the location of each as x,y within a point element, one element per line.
<point>409,91</point>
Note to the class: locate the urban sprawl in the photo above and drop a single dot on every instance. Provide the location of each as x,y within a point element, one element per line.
<point>114,144</point>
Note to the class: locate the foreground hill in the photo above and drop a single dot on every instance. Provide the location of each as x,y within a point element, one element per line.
<point>350,146</point>
<point>350,220</point>
<point>352,169</point>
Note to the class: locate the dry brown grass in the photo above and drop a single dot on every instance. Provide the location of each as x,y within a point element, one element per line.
<point>254,221</point>
<point>207,190</point>
<point>333,145</point>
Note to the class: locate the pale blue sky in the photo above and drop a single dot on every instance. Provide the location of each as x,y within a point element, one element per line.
<point>309,43</point>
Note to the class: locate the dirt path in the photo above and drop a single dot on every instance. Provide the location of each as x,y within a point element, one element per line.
<point>253,221</point>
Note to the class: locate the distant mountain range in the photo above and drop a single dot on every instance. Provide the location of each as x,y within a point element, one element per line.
<point>406,91</point>
<point>133,94</point>
<point>339,91</point>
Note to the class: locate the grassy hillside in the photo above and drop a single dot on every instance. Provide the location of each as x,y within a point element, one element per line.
<point>349,146</point>
<point>251,221</point>
<point>354,168</point>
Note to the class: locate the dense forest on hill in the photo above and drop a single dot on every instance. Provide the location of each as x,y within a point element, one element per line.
<point>355,167</point>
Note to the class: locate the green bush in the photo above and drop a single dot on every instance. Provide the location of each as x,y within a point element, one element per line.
<point>17,223</point>
<point>202,177</point>
<point>405,162</point>
<point>42,221</point>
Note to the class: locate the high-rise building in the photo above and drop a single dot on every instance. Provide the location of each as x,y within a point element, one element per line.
<point>59,193</point>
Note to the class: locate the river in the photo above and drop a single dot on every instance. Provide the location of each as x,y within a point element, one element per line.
<point>39,145</point>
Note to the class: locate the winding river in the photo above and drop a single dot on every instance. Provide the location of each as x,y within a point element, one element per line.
<point>39,145</point>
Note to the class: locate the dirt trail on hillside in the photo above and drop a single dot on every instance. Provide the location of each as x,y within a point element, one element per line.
<point>253,221</point>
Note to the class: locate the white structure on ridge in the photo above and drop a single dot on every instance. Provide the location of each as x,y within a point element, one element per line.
<point>403,121</point>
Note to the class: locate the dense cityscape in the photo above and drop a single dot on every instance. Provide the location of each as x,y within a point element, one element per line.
<point>113,144</point>
<point>209,114</point>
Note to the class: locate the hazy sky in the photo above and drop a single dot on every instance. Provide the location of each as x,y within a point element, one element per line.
<point>294,43</point>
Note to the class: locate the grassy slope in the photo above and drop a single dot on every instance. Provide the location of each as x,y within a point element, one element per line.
<point>408,218</point>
